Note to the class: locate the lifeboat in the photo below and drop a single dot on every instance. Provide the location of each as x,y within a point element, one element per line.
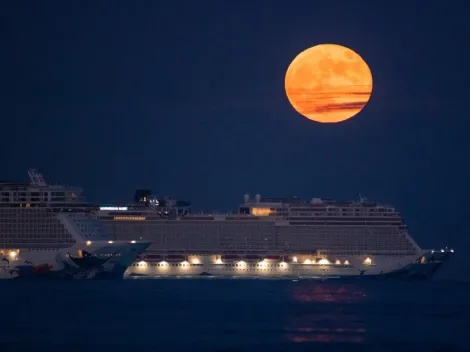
<point>252,258</point>
<point>276,258</point>
<point>175,258</point>
<point>152,258</point>
<point>231,257</point>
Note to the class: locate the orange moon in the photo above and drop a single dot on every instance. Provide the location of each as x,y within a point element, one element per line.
<point>328,83</point>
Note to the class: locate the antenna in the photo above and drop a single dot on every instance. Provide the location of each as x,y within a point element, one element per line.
<point>36,178</point>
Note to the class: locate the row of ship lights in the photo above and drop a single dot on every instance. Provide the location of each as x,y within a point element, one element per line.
<point>264,262</point>
<point>323,261</point>
<point>88,243</point>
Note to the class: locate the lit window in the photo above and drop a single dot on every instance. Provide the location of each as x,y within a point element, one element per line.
<point>260,211</point>
<point>130,218</point>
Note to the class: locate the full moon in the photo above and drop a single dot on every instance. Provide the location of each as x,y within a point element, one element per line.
<point>328,83</point>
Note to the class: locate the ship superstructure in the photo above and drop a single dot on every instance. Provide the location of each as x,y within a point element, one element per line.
<point>50,231</point>
<point>273,237</point>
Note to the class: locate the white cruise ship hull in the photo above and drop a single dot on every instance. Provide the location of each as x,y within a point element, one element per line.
<point>410,267</point>
<point>100,260</point>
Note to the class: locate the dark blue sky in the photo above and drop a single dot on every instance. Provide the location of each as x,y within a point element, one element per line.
<point>187,98</point>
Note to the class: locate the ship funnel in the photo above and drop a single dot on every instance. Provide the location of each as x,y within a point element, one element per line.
<point>258,198</point>
<point>246,197</point>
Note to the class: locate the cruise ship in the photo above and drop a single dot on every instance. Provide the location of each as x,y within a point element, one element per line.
<point>49,231</point>
<point>271,238</point>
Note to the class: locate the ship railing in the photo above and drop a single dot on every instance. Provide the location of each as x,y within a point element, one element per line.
<point>241,251</point>
<point>238,215</point>
<point>208,252</point>
<point>367,252</point>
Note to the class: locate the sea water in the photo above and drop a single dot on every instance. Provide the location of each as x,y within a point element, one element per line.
<point>234,315</point>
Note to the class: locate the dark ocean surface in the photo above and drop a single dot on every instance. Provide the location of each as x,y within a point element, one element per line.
<point>234,315</point>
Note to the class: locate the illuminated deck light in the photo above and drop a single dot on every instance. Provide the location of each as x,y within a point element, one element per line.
<point>241,264</point>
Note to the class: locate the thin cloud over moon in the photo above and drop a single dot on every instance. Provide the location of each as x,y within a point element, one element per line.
<point>328,83</point>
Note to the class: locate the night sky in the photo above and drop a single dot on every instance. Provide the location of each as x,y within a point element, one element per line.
<point>187,98</point>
